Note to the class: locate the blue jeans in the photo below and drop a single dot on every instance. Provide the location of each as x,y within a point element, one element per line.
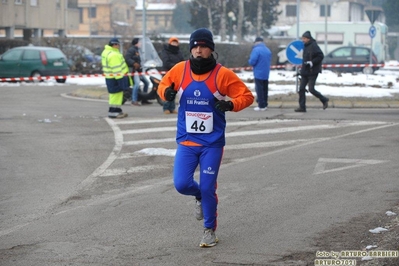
<point>136,86</point>
<point>262,91</point>
<point>169,105</point>
<point>145,82</point>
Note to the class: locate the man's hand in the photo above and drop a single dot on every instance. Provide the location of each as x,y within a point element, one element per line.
<point>170,93</point>
<point>224,106</point>
<point>309,63</point>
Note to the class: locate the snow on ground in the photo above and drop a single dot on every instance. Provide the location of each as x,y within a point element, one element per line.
<point>384,83</point>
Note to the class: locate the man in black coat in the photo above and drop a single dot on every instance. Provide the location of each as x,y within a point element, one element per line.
<point>311,67</point>
<point>171,55</point>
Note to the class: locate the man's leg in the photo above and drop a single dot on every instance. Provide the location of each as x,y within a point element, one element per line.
<point>266,91</point>
<point>135,90</point>
<point>317,94</point>
<point>302,91</point>
<point>260,93</point>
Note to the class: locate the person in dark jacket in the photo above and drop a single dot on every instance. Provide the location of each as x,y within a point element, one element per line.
<point>311,67</point>
<point>170,56</point>
<point>133,61</point>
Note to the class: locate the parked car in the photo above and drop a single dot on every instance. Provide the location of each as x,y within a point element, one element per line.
<point>81,59</point>
<point>351,55</point>
<point>34,61</point>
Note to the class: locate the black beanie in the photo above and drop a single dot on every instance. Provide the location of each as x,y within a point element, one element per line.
<point>135,41</point>
<point>202,37</point>
<point>307,35</point>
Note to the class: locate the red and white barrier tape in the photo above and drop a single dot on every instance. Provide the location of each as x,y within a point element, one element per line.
<point>163,72</point>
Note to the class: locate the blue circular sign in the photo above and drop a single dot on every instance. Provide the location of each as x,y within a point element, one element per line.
<point>372,32</point>
<point>294,52</point>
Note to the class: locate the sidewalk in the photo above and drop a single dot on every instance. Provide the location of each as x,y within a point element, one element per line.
<point>280,101</point>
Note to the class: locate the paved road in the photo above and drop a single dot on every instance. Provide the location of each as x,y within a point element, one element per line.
<point>78,188</point>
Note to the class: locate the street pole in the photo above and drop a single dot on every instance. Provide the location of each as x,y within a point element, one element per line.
<point>325,29</point>
<point>298,2</point>
<point>144,26</point>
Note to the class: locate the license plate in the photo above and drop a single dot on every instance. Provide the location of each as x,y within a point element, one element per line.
<point>58,64</point>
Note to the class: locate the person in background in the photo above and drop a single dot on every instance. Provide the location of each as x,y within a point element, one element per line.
<point>311,67</point>
<point>115,69</point>
<point>203,86</point>
<point>170,56</point>
<point>133,60</point>
<point>261,58</point>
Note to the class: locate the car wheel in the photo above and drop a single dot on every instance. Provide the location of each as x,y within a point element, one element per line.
<point>35,75</point>
<point>60,80</point>
<point>368,70</point>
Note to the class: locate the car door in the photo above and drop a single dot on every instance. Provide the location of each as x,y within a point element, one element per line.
<point>341,55</point>
<point>10,63</point>
<point>30,62</point>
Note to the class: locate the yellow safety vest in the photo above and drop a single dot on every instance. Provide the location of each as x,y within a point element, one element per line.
<point>113,63</point>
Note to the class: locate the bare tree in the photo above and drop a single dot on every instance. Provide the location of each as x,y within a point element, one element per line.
<point>223,22</point>
<point>240,20</point>
<point>259,18</point>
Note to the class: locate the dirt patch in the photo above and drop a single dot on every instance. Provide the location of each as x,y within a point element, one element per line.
<point>355,236</point>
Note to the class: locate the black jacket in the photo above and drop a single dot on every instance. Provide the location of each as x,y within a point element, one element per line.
<point>132,58</point>
<point>312,52</point>
<point>170,56</point>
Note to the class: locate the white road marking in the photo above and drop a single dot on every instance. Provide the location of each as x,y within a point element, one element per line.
<point>351,163</point>
<point>136,169</point>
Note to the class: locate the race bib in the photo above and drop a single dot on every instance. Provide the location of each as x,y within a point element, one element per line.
<point>199,122</point>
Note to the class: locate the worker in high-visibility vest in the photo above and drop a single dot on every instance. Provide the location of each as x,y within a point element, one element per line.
<point>115,70</point>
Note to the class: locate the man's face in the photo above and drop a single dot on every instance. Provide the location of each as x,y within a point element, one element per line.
<point>174,43</point>
<point>201,51</point>
<point>305,40</point>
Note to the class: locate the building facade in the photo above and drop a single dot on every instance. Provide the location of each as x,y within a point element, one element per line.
<point>33,18</point>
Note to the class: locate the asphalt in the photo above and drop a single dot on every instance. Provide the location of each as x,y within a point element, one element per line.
<point>281,100</point>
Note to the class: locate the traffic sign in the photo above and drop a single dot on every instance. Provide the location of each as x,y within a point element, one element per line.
<point>372,31</point>
<point>294,52</point>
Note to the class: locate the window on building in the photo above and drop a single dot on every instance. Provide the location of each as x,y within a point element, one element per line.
<point>323,11</point>
<point>80,15</point>
<point>58,3</point>
<point>92,12</point>
<point>128,14</point>
<point>290,10</point>
<point>362,39</point>
<point>33,2</point>
<point>18,2</point>
<point>156,20</point>
<point>4,1</point>
<point>72,3</point>
<point>332,38</point>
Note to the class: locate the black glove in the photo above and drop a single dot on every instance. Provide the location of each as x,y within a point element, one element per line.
<point>224,106</point>
<point>170,93</point>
